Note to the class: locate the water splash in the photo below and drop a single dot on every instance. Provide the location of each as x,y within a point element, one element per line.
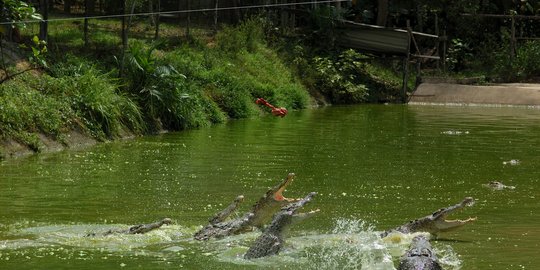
<point>74,236</point>
<point>352,244</point>
<point>448,257</point>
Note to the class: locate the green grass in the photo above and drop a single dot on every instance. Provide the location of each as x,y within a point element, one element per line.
<point>171,84</point>
<point>26,111</point>
<point>97,100</point>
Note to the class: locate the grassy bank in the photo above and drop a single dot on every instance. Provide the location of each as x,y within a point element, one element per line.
<point>168,84</point>
<point>173,83</point>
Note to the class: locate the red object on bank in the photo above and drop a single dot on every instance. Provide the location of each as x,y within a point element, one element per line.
<point>281,112</point>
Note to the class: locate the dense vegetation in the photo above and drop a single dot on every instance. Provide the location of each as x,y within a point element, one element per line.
<point>496,39</point>
<point>178,82</point>
<point>164,87</point>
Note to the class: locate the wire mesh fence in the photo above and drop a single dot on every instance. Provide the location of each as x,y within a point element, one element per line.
<point>202,16</point>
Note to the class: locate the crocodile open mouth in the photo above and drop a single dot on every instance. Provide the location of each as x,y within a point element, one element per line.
<point>446,224</point>
<point>278,194</point>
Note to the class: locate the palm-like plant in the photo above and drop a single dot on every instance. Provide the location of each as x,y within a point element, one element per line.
<point>167,98</point>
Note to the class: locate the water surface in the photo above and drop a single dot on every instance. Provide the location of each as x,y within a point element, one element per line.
<point>374,167</point>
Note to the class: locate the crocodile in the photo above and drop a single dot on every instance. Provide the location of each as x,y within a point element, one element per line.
<point>496,185</point>
<point>436,222</point>
<point>271,240</point>
<point>419,256</point>
<point>259,215</point>
<point>136,229</point>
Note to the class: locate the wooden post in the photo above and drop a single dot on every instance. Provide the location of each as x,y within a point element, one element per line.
<point>283,16</point>
<point>406,64</point>
<point>156,35</point>
<point>86,14</point>
<point>513,39</point>
<point>124,38</point>
<point>124,27</point>
<point>438,41</point>
<point>292,18</point>
<point>43,26</point>
<point>188,22</point>
<point>216,6</point>
<point>445,39</point>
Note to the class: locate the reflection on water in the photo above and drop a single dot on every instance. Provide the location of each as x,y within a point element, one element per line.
<point>374,168</point>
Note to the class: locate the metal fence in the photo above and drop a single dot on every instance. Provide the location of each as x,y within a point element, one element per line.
<point>204,14</point>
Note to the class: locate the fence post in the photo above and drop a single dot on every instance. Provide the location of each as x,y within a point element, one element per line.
<point>283,17</point>
<point>406,63</point>
<point>124,39</point>
<point>513,39</point>
<point>444,40</point>
<point>156,36</point>
<point>86,14</point>
<point>438,41</point>
<point>188,22</point>
<point>43,26</point>
<point>216,6</point>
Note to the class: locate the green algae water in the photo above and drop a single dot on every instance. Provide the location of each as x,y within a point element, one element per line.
<point>374,167</point>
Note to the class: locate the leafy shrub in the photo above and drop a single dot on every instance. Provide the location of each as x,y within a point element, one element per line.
<point>458,53</point>
<point>525,64</point>
<point>338,78</point>
<point>527,60</point>
<point>169,100</point>
<point>97,101</point>
<point>234,81</point>
<point>230,93</point>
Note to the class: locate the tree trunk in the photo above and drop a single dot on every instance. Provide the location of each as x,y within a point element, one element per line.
<point>382,12</point>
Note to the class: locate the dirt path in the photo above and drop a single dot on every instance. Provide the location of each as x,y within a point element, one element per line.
<point>505,94</point>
